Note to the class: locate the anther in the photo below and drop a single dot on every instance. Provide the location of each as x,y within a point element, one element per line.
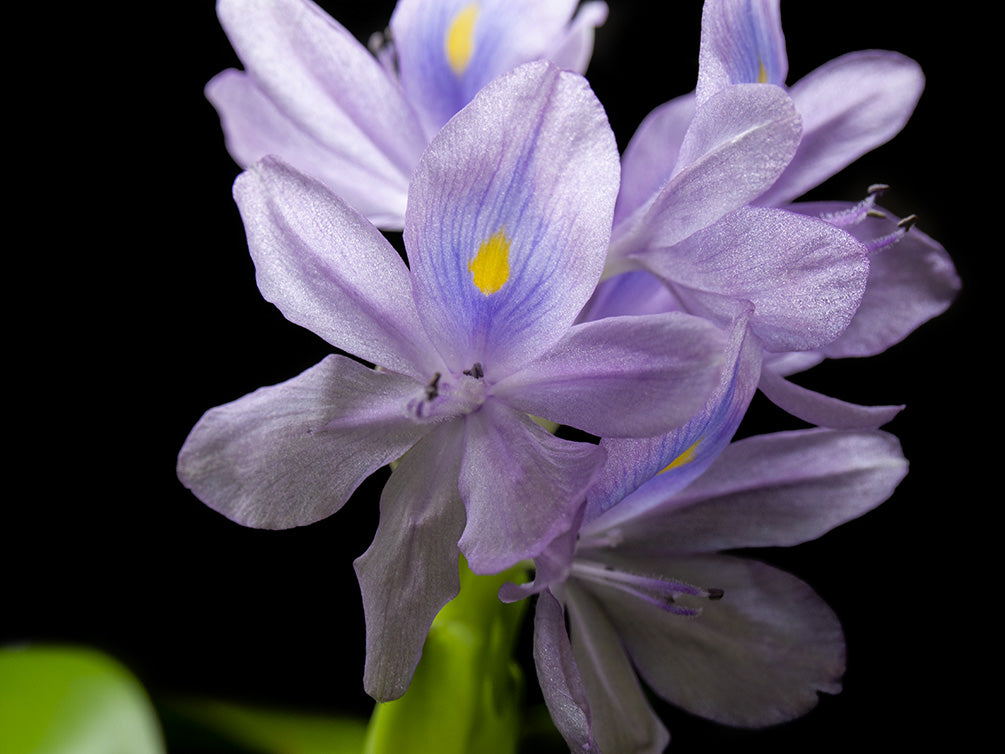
<point>715,593</point>
<point>432,389</point>
<point>877,188</point>
<point>476,371</point>
<point>908,222</point>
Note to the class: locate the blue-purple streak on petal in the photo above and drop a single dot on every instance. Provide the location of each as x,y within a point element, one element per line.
<point>329,270</point>
<point>623,376</point>
<point>637,474</point>
<point>531,161</point>
<point>410,570</point>
<point>741,43</point>
<point>292,454</point>
<point>520,484</point>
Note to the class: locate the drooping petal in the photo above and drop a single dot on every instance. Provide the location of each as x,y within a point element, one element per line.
<point>448,50</point>
<point>330,270</point>
<point>771,490</point>
<point>621,716</point>
<point>756,657</point>
<point>651,155</point>
<point>410,571</point>
<point>805,277</point>
<point>509,218</point>
<point>849,107</point>
<point>254,127</point>
<point>741,43</point>
<point>737,145</point>
<point>910,282</point>
<point>321,78</point>
<point>521,486</point>
<point>822,410</point>
<point>292,454</point>
<point>622,376</point>
<point>640,474</point>
<point>561,683</point>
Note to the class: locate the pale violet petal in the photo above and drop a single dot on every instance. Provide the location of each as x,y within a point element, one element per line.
<point>410,570</point>
<point>778,489</point>
<point>509,218</point>
<point>292,454</point>
<point>576,46</point>
<point>849,106</point>
<point>329,270</point>
<point>822,410</point>
<point>522,487</point>
<point>756,657</point>
<point>254,127</point>
<point>622,376</point>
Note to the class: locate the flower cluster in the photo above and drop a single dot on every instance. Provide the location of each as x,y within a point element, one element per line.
<point>639,298</point>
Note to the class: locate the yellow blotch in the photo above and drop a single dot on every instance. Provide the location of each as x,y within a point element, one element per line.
<point>762,75</point>
<point>459,43</point>
<point>490,267</point>
<point>686,457</point>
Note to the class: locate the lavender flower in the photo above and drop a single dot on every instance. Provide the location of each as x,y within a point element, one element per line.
<point>508,221</point>
<point>648,594</point>
<point>312,94</point>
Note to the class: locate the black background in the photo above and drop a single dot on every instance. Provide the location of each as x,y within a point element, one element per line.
<point>133,309</point>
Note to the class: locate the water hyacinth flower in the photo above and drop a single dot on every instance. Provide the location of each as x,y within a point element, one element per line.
<point>846,108</point>
<point>649,595</point>
<point>315,96</point>
<point>508,223</point>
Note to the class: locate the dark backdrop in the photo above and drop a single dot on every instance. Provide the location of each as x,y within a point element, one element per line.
<point>140,312</point>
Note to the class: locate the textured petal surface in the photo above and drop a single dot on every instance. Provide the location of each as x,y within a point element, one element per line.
<point>849,106</point>
<point>449,49</point>
<point>774,490</point>
<point>329,270</point>
<point>623,720</point>
<point>254,127</point>
<point>741,43</point>
<point>509,218</point>
<point>822,410</point>
<point>321,78</point>
<point>805,277</point>
<point>623,376</point>
<point>521,486</point>
<point>410,570</point>
<point>736,146</point>
<point>756,657</point>
<point>292,454</point>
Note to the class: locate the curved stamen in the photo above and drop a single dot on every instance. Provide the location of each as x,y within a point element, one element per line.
<point>658,591</point>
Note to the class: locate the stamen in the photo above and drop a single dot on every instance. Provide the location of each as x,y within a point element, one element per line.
<point>660,592</point>
<point>476,371</point>
<point>867,208</point>
<point>432,389</point>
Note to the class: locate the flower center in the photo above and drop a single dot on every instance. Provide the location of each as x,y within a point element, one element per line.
<point>660,591</point>
<point>450,396</point>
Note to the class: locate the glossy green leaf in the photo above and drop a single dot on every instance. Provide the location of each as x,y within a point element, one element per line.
<point>66,700</point>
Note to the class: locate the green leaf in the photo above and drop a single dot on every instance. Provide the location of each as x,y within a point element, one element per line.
<point>66,700</point>
<point>272,731</point>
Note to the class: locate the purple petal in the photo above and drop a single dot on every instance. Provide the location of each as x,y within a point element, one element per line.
<point>822,410</point>
<point>621,716</point>
<point>561,683</point>
<point>849,106</point>
<point>640,474</point>
<point>292,454</point>
<point>910,282</point>
<point>778,489</point>
<point>576,43</point>
<point>804,276</point>
<point>255,127</point>
<point>521,486</point>
<point>756,657</point>
<point>630,293</point>
<point>622,376</point>
<point>509,218</point>
<point>737,145</point>
<point>321,78</point>
<point>330,270</point>
<point>741,43</point>
<point>410,571</point>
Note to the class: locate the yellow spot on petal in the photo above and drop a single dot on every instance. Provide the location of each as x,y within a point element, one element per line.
<point>686,457</point>
<point>490,267</point>
<point>459,43</point>
<point>762,75</point>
